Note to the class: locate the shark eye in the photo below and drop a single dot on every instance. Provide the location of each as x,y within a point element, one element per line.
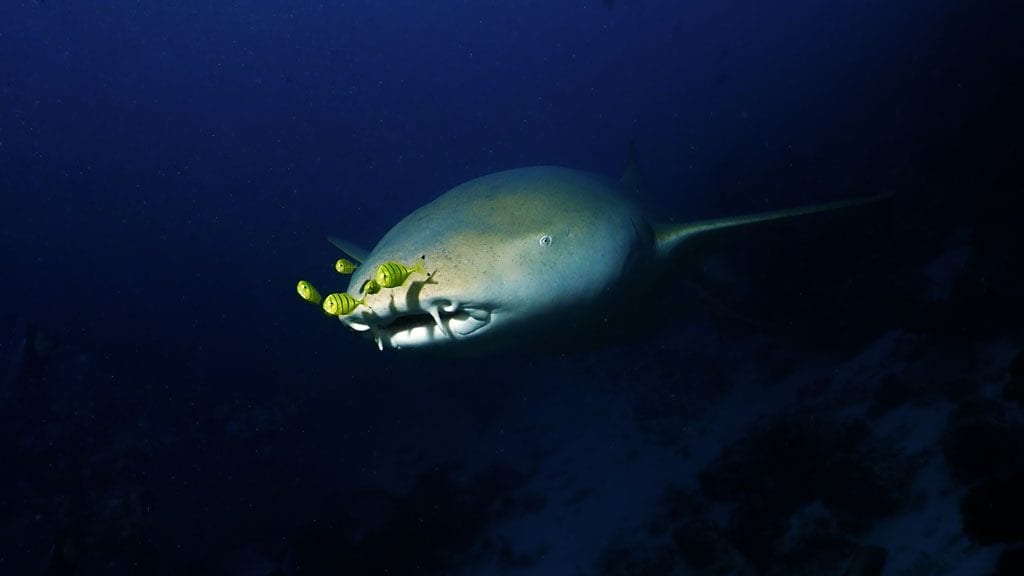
<point>544,240</point>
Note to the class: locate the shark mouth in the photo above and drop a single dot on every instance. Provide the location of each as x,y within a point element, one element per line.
<point>436,324</point>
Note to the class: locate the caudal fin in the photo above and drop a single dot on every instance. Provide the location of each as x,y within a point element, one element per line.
<point>672,237</point>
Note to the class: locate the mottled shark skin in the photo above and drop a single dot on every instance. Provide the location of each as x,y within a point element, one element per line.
<point>536,256</point>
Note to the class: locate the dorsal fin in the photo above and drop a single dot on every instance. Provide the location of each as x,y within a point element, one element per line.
<point>632,176</point>
<point>670,238</point>
<point>357,254</point>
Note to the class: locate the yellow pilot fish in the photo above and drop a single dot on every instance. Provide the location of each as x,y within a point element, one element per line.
<point>308,293</point>
<point>370,287</point>
<point>341,304</point>
<point>394,274</point>
<point>345,266</point>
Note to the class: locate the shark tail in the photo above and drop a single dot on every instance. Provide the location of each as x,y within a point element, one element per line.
<point>672,237</point>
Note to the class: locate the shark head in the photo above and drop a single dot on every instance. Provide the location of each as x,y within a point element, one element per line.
<point>513,256</point>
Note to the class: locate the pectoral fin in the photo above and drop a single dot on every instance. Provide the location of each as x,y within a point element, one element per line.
<point>357,254</point>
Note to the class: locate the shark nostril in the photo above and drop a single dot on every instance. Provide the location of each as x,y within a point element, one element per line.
<point>445,305</point>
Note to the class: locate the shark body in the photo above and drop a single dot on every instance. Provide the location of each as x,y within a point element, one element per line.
<point>527,256</point>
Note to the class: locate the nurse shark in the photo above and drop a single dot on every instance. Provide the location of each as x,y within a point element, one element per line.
<point>543,255</point>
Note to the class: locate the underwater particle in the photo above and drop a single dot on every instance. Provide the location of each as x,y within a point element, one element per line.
<point>394,274</point>
<point>308,292</point>
<point>341,304</point>
<point>345,266</point>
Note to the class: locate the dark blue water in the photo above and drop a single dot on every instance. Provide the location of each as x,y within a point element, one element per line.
<point>168,405</point>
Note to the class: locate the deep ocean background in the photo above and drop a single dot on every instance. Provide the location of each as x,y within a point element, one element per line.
<point>848,401</point>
